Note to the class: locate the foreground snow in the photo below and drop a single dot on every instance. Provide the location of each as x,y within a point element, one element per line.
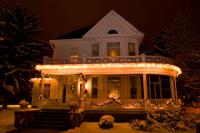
<point>6,120</point>
<point>93,127</point>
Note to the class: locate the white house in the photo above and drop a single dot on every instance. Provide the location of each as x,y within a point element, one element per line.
<point>105,65</point>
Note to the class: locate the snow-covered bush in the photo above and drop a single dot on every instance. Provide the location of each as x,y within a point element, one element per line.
<point>106,121</point>
<point>172,120</point>
<point>139,124</point>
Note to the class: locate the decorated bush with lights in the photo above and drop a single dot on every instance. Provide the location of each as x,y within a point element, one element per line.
<point>23,104</point>
<point>106,121</point>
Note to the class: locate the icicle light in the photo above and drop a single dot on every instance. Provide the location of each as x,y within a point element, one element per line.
<point>111,68</point>
<point>39,79</point>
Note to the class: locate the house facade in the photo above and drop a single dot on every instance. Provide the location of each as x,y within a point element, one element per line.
<point>103,64</point>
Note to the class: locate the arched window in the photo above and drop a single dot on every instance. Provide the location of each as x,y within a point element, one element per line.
<point>112,32</point>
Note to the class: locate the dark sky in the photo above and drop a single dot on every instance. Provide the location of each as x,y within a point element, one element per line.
<point>61,16</point>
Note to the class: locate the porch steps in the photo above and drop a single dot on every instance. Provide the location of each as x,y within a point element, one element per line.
<point>52,118</point>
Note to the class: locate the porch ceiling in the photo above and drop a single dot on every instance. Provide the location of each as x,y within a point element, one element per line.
<point>110,68</point>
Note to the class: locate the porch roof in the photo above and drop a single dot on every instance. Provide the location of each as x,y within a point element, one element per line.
<point>110,68</point>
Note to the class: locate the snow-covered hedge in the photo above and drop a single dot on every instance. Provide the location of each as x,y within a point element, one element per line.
<point>106,121</point>
<point>173,120</point>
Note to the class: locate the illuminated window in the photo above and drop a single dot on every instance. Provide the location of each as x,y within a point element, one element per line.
<point>131,49</point>
<point>94,87</point>
<point>95,50</point>
<point>113,49</point>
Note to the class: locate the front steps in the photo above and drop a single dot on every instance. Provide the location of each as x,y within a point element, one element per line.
<point>53,118</point>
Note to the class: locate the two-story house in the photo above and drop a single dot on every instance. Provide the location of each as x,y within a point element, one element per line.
<point>101,63</point>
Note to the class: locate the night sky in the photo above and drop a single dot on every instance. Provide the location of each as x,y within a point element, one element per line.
<point>58,17</point>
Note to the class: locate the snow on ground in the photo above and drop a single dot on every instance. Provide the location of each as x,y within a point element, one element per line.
<point>7,124</point>
<point>93,127</point>
<point>6,120</point>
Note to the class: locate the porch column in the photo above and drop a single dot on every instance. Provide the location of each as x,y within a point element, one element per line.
<point>60,89</point>
<point>82,98</point>
<point>41,87</point>
<point>175,88</point>
<point>139,87</point>
<point>145,90</point>
<point>172,87</point>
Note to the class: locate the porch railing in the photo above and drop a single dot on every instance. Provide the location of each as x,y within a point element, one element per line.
<point>159,104</point>
<point>118,59</point>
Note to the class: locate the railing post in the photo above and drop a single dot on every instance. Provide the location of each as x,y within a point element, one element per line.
<point>143,57</point>
<point>84,59</point>
<point>145,91</point>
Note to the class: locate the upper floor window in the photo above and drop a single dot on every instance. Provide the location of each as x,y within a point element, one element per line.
<point>74,55</point>
<point>113,49</point>
<point>131,49</point>
<point>112,32</point>
<point>74,52</point>
<point>95,50</point>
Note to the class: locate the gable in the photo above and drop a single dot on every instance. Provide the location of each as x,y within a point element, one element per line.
<point>113,22</point>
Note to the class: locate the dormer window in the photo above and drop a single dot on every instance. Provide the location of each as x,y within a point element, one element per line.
<point>112,32</point>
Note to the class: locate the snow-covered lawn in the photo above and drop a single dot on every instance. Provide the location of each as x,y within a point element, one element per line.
<point>6,120</point>
<point>93,127</point>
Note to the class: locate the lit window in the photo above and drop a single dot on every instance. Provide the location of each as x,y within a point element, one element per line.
<point>113,49</point>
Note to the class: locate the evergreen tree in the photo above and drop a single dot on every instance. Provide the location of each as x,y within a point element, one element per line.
<point>180,41</point>
<point>19,52</point>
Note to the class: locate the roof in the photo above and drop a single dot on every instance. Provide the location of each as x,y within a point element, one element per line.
<point>76,34</point>
<point>113,21</point>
